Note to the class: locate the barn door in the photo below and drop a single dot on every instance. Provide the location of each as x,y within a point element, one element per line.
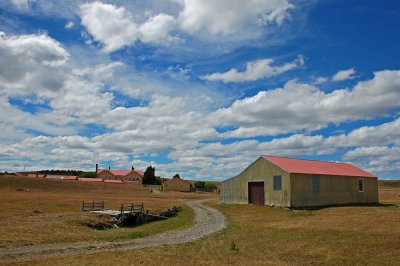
<point>256,193</point>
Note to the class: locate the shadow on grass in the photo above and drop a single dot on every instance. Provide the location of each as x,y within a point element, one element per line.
<point>315,208</point>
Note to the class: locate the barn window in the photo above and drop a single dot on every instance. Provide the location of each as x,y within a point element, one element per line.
<point>361,185</point>
<point>315,184</point>
<point>278,182</point>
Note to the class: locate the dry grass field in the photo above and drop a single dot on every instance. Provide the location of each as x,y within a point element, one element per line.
<point>256,235</point>
<point>50,211</point>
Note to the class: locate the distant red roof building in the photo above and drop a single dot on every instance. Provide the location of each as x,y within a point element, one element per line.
<point>70,177</point>
<point>302,166</point>
<point>36,175</point>
<point>90,179</point>
<point>121,175</point>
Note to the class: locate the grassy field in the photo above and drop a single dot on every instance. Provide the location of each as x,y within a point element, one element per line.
<point>259,235</point>
<point>50,211</point>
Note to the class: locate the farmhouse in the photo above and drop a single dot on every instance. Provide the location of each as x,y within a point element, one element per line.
<point>290,182</point>
<point>120,175</point>
<point>176,184</point>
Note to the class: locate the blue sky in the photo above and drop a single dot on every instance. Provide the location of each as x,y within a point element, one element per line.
<point>198,87</point>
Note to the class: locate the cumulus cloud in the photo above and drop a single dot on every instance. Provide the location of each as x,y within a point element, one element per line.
<point>281,110</point>
<point>156,29</point>
<point>227,16</point>
<point>255,70</point>
<point>114,26</point>
<point>15,122</point>
<point>109,24</point>
<point>41,49</point>
<point>385,134</point>
<point>344,75</point>
<point>31,63</point>
<point>376,159</point>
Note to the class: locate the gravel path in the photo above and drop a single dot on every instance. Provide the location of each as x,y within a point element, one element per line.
<point>207,221</point>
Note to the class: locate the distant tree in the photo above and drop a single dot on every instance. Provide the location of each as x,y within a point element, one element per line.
<point>210,186</point>
<point>199,184</point>
<point>88,174</point>
<point>158,180</point>
<point>60,172</point>
<point>176,176</point>
<point>149,177</point>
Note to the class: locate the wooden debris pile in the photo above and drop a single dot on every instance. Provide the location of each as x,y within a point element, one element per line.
<point>127,216</point>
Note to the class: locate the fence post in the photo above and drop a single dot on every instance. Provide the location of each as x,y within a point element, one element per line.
<point>92,205</point>
<point>83,205</point>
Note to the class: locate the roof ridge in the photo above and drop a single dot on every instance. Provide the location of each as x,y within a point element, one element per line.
<point>304,159</point>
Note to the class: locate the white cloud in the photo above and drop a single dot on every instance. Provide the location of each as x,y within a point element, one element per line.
<point>98,72</point>
<point>156,29</point>
<point>229,16</point>
<point>21,4</point>
<point>385,134</point>
<point>304,107</point>
<point>41,49</point>
<point>115,27</point>
<point>31,63</point>
<point>376,159</point>
<point>255,70</point>
<point>109,24</point>
<point>13,119</point>
<point>320,80</point>
<point>344,75</point>
<point>69,25</point>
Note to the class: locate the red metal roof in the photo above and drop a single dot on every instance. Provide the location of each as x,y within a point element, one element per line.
<point>66,177</point>
<point>113,181</point>
<point>54,176</point>
<point>36,175</point>
<point>70,177</point>
<point>301,166</point>
<point>90,179</point>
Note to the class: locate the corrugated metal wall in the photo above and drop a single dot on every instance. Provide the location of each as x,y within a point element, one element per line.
<point>333,190</point>
<point>235,190</point>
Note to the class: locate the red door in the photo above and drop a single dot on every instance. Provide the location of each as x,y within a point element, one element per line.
<point>256,193</point>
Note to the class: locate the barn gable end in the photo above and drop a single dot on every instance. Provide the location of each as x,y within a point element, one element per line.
<point>236,189</point>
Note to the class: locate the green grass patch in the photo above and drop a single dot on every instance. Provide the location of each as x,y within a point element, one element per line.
<point>184,219</point>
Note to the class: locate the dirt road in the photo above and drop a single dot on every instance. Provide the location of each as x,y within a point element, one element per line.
<point>207,221</point>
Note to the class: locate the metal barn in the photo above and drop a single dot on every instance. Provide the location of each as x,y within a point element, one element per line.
<point>290,182</point>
